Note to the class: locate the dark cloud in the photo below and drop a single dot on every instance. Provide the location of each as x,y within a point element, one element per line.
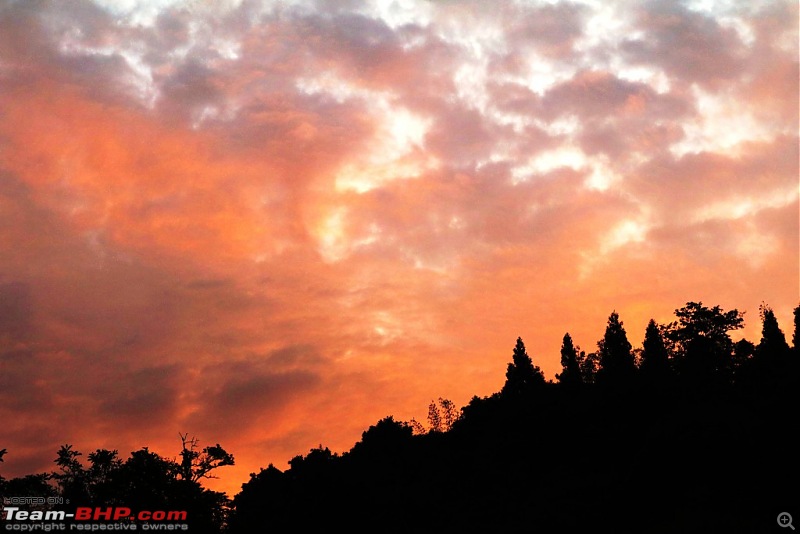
<point>549,30</point>
<point>141,397</point>
<point>689,45</point>
<point>295,355</point>
<point>593,94</point>
<point>461,135</point>
<point>245,394</point>
<point>640,135</point>
<point>21,384</point>
<point>15,310</point>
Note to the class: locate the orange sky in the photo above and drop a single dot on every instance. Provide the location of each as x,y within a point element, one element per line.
<point>272,224</point>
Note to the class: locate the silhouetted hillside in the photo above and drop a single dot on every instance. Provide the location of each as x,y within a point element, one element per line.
<point>692,439</point>
<point>691,433</point>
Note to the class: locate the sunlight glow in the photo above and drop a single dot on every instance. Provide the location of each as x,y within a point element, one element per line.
<point>657,79</point>
<point>335,242</point>
<point>387,327</point>
<point>603,175</point>
<point>397,148</point>
<point>332,85</point>
<point>565,125</point>
<point>543,75</point>
<point>331,236</point>
<point>738,207</point>
<point>628,231</point>
<point>470,81</point>
<point>624,233</point>
<point>396,152</point>
<point>564,156</point>
<point>723,122</point>
<point>607,23</point>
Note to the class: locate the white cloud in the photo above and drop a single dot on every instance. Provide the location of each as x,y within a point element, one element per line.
<point>737,207</point>
<point>723,122</point>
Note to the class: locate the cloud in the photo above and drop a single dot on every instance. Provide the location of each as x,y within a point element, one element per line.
<point>15,310</point>
<point>689,45</point>
<point>246,398</point>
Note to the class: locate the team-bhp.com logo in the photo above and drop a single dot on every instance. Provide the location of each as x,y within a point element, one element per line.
<point>94,519</point>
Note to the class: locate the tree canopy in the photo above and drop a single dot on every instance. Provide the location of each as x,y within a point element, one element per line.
<point>617,364</point>
<point>522,376</point>
<point>570,375</point>
<point>702,344</point>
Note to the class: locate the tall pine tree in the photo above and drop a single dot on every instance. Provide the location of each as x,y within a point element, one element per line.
<point>589,367</point>
<point>773,341</point>
<point>522,376</point>
<point>570,375</point>
<point>772,352</point>
<point>655,366</point>
<point>617,365</point>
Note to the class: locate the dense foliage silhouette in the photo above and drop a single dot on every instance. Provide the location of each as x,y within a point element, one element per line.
<point>522,377</point>
<point>617,364</point>
<point>689,438</point>
<point>571,375</point>
<point>145,481</point>
<point>687,434</point>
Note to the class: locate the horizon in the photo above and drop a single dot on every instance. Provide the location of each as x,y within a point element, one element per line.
<point>271,224</point>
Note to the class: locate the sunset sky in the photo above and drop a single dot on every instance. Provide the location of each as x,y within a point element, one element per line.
<point>270,224</point>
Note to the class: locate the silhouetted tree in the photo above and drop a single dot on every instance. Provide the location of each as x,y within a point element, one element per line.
<point>655,365</point>
<point>199,464</point>
<point>103,468</point>
<point>434,419</point>
<point>589,365</point>
<point>417,428</point>
<point>570,375</point>
<point>743,352</point>
<point>264,503</point>
<point>316,463</point>
<point>796,335</point>
<point>772,352</point>
<point>703,347</point>
<point>37,485</point>
<point>617,365</point>
<point>522,376</point>
<point>103,463</point>
<point>442,415</point>
<point>72,478</point>
<point>449,413</point>
<point>385,436</point>
<point>145,481</point>
<point>773,342</point>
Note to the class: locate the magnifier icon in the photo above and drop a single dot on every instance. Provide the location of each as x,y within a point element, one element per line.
<point>785,520</point>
